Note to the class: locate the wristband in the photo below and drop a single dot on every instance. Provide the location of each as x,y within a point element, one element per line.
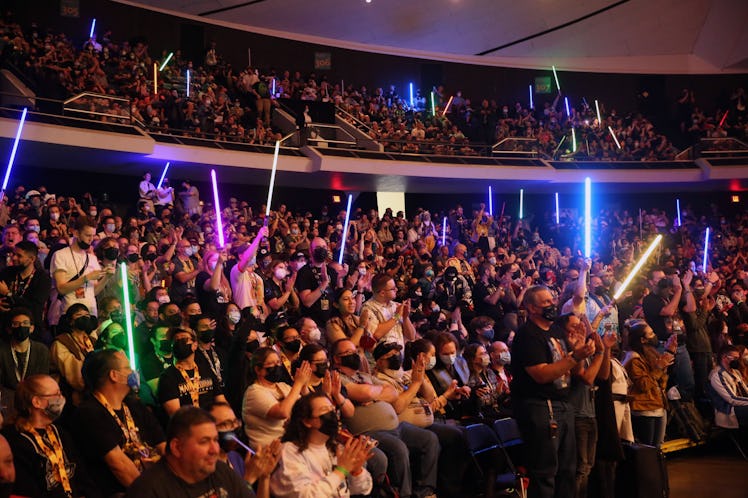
<point>342,471</point>
<point>358,473</point>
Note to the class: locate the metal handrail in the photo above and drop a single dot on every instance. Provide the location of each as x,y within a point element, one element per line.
<point>358,122</point>
<point>79,100</point>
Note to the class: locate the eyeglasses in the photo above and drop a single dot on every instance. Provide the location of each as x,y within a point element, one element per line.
<point>25,323</point>
<point>228,425</point>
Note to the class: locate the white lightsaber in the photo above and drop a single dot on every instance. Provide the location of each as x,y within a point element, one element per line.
<point>613,134</point>
<point>599,121</point>
<point>163,175</point>
<point>345,229</point>
<point>444,231</point>
<point>490,201</point>
<point>637,267</point>
<point>587,217</point>
<point>558,85</point>
<point>272,180</point>
<point>558,215</point>
<point>521,203</point>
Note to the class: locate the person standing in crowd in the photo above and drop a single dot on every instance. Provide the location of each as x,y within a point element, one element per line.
<point>315,282</point>
<point>647,369</point>
<point>190,198</point>
<point>542,368</point>
<point>76,271</point>
<point>245,283</point>
<point>730,391</point>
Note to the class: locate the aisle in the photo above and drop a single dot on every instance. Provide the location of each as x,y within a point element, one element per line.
<point>708,473</point>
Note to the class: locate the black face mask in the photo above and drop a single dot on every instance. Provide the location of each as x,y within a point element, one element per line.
<point>329,423</point>
<point>133,258</point>
<point>734,364</point>
<point>599,291</point>
<point>252,346</point>
<point>85,323</point>
<point>654,342</point>
<point>321,369</point>
<point>151,256</point>
<point>517,274</point>
<point>174,320</point>
<point>207,335</point>
<point>110,253</point>
<point>320,254</point>
<point>165,346</point>
<point>292,346</point>
<point>352,361</point>
<point>83,245</point>
<point>395,362</point>
<point>550,312</point>
<point>274,374</point>
<point>182,349</point>
<point>20,334</point>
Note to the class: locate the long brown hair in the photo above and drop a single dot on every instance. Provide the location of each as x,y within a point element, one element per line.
<point>296,431</point>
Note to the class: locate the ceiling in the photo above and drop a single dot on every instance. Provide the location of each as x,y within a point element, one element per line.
<point>620,36</point>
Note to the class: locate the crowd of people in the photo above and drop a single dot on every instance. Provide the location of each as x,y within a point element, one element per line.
<point>228,104</point>
<point>268,361</point>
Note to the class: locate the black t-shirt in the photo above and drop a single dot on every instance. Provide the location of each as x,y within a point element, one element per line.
<point>33,469</point>
<point>532,346</point>
<point>652,306</point>
<point>97,433</point>
<point>211,302</point>
<point>309,279</point>
<point>171,385</point>
<point>480,293</point>
<point>160,482</point>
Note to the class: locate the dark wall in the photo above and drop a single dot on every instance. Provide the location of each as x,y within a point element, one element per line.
<point>506,85</point>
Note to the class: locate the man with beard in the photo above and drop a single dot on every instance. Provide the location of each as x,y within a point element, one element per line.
<point>22,285</point>
<point>542,369</point>
<point>315,282</point>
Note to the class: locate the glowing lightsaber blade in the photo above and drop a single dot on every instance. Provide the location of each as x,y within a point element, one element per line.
<point>555,75</point>
<point>706,250</point>
<point>433,105</point>
<point>566,103</point>
<point>411,95</point>
<point>230,436</point>
<point>449,103</point>
<point>272,181</point>
<point>155,78</point>
<point>13,153</point>
<point>521,203</point>
<point>559,145</point>
<point>128,314</point>
<point>490,201</point>
<point>444,231</point>
<point>573,140</point>
<point>93,28</point>
<point>345,229</point>
<point>613,134</point>
<point>163,175</point>
<point>168,58</point>
<point>597,108</point>
<point>273,86</point>
<point>219,222</point>
<point>532,104</point>
<point>558,214</point>
<point>587,217</point>
<point>677,206</point>
<point>722,121</point>
<point>637,267</point>
<point>188,83</point>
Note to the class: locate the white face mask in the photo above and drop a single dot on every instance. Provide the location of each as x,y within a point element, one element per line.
<point>448,359</point>
<point>505,358</point>
<point>315,334</point>
<point>234,317</point>
<point>163,299</point>
<point>362,271</point>
<point>432,363</point>
<point>281,273</point>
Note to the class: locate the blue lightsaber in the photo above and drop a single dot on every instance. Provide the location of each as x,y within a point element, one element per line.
<point>587,217</point>
<point>677,206</point>
<point>93,28</point>
<point>444,231</point>
<point>490,201</point>
<point>521,203</point>
<point>345,229</point>
<point>188,83</point>
<point>706,250</point>
<point>411,95</point>
<point>558,215</point>
<point>163,175</point>
<point>566,103</point>
<point>13,152</point>
<point>532,104</point>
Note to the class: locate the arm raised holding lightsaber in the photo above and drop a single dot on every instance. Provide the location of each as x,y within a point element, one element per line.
<point>251,251</point>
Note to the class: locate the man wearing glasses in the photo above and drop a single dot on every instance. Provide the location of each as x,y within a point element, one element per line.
<point>389,321</point>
